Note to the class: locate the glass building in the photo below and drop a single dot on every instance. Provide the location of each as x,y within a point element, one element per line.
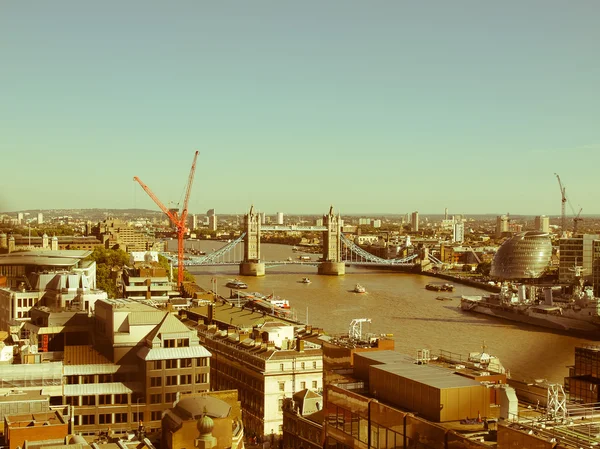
<point>523,256</point>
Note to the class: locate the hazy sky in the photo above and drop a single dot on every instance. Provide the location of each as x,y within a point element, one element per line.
<point>384,106</point>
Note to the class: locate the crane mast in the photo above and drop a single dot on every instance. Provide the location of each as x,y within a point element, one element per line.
<point>177,218</point>
<point>563,204</point>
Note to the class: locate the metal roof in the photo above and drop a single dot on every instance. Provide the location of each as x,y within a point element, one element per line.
<point>15,259</point>
<point>433,376</point>
<point>139,318</point>
<point>98,369</point>
<point>172,353</point>
<point>107,388</point>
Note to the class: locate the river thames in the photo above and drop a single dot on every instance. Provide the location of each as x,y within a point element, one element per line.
<point>399,304</point>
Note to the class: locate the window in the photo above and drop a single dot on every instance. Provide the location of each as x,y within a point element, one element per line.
<point>157,364</point>
<point>302,365</point>
<point>104,378</point>
<point>303,385</point>
<point>120,417</point>
<point>87,379</point>
<point>171,364</point>
<point>314,384</point>
<point>170,397</point>
<point>88,419</point>
<point>72,400</point>
<point>183,342</point>
<point>120,399</point>
<point>137,417</point>
<point>156,416</point>
<point>186,363</point>
<point>281,386</point>
<point>314,365</point>
<point>105,418</point>
<point>104,399</point>
<point>88,400</point>
<point>280,404</point>
<point>169,343</point>
<point>155,399</point>
<point>281,367</point>
<point>185,379</point>
<point>171,380</point>
<point>72,380</point>
<point>156,381</point>
<point>201,361</point>
<point>201,378</point>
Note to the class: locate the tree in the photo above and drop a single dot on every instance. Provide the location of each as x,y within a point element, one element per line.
<point>108,261</point>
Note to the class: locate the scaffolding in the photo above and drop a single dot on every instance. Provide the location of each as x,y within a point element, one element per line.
<point>17,377</point>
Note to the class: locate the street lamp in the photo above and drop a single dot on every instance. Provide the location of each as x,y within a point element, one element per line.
<point>138,409</point>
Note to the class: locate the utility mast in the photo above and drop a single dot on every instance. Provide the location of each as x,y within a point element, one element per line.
<point>177,218</point>
<point>563,204</point>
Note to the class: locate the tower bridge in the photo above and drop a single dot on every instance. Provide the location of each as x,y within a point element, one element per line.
<point>338,250</point>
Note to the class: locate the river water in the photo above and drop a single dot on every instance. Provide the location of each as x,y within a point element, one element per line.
<point>398,304</point>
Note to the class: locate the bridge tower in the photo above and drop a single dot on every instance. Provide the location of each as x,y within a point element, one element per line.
<point>251,265</point>
<point>332,246</point>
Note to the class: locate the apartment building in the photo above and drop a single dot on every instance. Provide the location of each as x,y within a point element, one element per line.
<point>265,364</point>
<point>117,233</point>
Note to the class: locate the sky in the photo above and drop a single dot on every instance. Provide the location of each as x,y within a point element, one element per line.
<point>372,107</point>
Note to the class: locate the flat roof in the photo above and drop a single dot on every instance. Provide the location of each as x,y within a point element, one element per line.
<point>433,376</point>
<point>16,259</point>
<point>130,305</point>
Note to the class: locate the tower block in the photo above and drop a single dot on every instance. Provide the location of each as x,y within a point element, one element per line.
<point>332,245</point>
<point>251,265</point>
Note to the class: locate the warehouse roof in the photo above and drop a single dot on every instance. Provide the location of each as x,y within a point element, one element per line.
<point>433,376</point>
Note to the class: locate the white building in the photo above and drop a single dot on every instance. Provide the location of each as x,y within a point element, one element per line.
<point>265,366</point>
<point>458,234</point>
<point>542,223</point>
<point>40,219</point>
<point>279,218</point>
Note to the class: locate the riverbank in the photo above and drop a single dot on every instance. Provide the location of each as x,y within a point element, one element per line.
<point>465,281</point>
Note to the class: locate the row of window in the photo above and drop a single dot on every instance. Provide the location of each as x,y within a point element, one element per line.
<point>182,379</point>
<point>302,366</point>
<point>169,397</point>
<point>102,399</point>
<point>302,385</point>
<point>180,363</point>
<point>176,343</point>
<point>116,418</point>
<point>25,302</point>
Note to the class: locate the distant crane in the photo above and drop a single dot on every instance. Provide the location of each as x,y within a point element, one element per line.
<point>177,218</point>
<point>576,220</point>
<point>563,204</point>
<point>355,330</point>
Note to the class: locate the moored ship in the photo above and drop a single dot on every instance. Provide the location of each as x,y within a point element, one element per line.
<point>578,313</point>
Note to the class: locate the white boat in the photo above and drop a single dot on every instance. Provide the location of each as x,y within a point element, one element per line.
<point>236,283</point>
<point>359,289</point>
<point>305,281</point>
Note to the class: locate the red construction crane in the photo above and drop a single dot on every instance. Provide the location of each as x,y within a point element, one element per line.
<point>177,218</point>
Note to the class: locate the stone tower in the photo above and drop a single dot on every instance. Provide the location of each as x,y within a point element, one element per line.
<point>251,265</point>
<point>332,236</point>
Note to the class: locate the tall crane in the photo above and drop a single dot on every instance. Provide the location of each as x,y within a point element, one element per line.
<point>178,218</point>
<point>576,220</point>
<point>563,204</point>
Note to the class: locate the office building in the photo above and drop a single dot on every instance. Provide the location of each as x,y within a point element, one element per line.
<point>193,222</point>
<point>20,218</point>
<point>501,226</point>
<point>265,364</point>
<point>542,223</point>
<point>212,222</point>
<point>40,218</point>
<point>576,251</point>
<point>524,256</point>
<point>114,233</point>
<point>458,232</point>
<point>279,219</point>
<point>303,416</point>
<point>364,221</point>
<point>414,221</point>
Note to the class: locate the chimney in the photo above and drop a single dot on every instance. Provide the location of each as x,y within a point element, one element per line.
<point>299,345</point>
<point>211,314</point>
<point>11,244</point>
<point>270,345</point>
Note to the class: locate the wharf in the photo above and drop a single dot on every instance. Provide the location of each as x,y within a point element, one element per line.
<point>225,314</point>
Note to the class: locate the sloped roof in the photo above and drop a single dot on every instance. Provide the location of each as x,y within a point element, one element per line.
<point>146,353</point>
<point>169,325</point>
<point>195,407</point>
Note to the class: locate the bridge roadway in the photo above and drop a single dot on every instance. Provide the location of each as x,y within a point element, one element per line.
<point>289,228</point>
<point>273,263</point>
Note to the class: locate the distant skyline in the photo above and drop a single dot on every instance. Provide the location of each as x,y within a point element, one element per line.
<point>385,107</point>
